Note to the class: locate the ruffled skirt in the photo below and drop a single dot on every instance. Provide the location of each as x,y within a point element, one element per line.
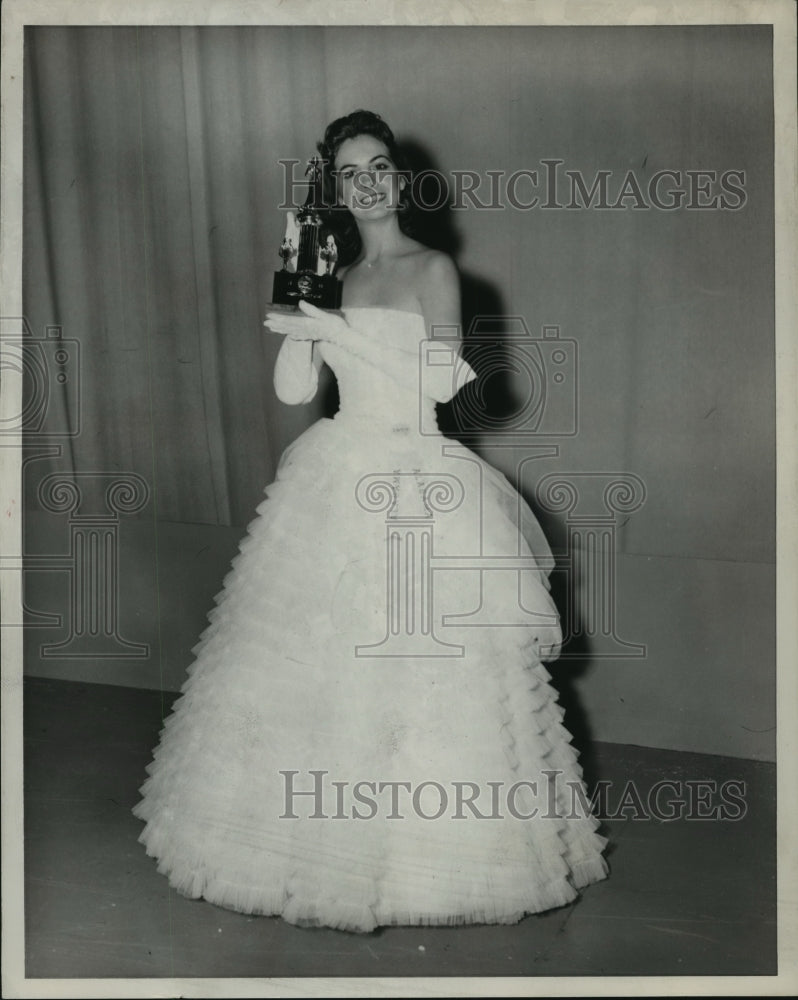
<point>367,735</point>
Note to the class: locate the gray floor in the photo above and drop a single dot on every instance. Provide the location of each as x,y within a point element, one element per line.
<point>684,897</point>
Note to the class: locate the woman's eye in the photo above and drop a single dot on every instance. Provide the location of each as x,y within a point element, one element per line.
<point>346,175</point>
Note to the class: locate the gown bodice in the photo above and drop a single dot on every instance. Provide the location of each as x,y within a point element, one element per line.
<point>397,393</point>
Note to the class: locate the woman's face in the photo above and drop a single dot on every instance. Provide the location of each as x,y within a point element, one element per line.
<point>368,183</point>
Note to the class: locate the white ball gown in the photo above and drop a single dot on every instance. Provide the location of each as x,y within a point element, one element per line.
<point>367,735</point>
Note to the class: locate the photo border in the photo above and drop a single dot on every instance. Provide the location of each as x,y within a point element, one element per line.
<point>16,14</point>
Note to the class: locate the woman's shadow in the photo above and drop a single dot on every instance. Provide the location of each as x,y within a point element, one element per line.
<point>479,412</point>
<point>474,417</point>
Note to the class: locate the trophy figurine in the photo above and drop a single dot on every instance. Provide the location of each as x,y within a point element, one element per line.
<point>328,255</point>
<point>287,248</point>
<point>308,264</point>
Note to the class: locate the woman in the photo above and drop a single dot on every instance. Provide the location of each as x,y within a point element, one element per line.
<point>367,735</point>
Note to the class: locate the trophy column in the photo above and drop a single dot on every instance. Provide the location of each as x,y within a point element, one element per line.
<point>312,276</point>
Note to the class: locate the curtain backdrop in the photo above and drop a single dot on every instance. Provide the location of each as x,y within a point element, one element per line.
<point>151,232</point>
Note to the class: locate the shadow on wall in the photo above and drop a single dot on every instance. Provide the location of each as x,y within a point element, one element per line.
<point>492,405</point>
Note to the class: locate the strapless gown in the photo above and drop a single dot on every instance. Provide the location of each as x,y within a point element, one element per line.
<point>367,735</point>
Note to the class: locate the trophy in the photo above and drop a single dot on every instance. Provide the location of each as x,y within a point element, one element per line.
<point>308,263</point>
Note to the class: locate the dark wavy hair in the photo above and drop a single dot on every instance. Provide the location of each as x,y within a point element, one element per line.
<point>339,220</point>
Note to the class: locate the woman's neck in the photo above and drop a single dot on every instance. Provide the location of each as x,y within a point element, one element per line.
<point>379,239</point>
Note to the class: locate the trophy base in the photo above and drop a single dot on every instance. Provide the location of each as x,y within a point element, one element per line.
<point>322,290</point>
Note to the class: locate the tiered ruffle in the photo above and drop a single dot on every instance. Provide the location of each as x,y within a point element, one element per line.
<point>276,689</point>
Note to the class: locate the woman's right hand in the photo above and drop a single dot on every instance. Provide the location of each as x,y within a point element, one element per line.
<point>310,323</point>
<point>289,325</point>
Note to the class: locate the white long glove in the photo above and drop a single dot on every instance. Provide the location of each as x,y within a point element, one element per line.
<point>440,381</point>
<point>296,371</point>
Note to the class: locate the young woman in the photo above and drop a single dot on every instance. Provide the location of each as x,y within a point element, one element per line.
<point>368,735</point>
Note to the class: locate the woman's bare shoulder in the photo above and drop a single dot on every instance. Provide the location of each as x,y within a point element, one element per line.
<point>436,268</point>
<point>423,258</point>
<point>438,289</point>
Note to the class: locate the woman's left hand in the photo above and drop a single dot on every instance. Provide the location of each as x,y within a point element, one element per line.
<point>310,323</point>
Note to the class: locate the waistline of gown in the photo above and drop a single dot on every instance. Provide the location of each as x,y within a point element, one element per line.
<point>400,413</point>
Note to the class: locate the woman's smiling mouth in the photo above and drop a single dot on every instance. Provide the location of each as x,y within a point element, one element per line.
<point>369,200</point>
